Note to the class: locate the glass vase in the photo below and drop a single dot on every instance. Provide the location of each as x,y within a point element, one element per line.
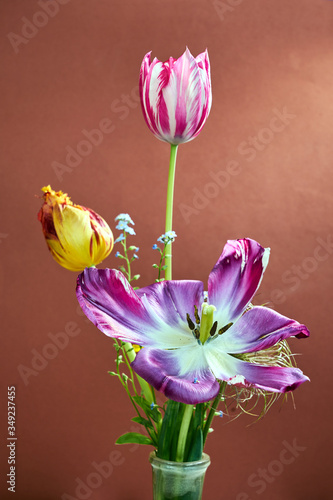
<point>178,480</point>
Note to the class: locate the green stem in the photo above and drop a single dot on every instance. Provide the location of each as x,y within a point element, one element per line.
<point>183,433</point>
<point>128,364</point>
<point>212,412</point>
<point>127,259</point>
<point>169,208</point>
<point>143,384</point>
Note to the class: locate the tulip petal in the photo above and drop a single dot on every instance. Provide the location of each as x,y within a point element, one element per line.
<point>238,372</point>
<point>173,300</point>
<point>175,96</point>
<point>181,374</point>
<point>149,86</point>
<point>204,67</point>
<point>258,329</point>
<point>235,278</point>
<point>73,229</point>
<point>112,305</point>
<point>184,98</point>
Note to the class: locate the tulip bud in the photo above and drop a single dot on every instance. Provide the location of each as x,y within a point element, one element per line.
<point>176,96</point>
<point>77,237</point>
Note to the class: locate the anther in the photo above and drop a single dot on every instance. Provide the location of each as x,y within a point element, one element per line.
<point>196,314</point>
<point>213,329</point>
<point>190,323</point>
<point>225,328</point>
<point>197,334</point>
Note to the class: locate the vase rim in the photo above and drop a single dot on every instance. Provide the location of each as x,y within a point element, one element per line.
<point>205,460</point>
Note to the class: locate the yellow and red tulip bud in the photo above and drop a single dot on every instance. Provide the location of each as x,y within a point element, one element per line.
<point>77,236</point>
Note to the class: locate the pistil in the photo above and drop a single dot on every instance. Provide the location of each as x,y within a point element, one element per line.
<point>207,320</point>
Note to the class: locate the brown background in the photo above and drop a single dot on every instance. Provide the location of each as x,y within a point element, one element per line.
<point>73,72</point>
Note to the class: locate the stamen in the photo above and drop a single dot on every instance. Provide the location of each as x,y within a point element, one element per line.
<point>224,328</point>
<point>195,381</point>
<point>196,333</point>
<point>196,314</point>
<point>190,323</point>
<point>213,329</point>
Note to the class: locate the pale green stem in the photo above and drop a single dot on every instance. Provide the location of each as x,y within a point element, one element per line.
<point>212,411</point>
<point>168,276</point>
<point>183,433</point>
<point>169,208</point>
<point>147,392</point>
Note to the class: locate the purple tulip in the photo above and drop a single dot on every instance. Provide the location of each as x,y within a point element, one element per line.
<point>191,340</point>
<point>176,96</point>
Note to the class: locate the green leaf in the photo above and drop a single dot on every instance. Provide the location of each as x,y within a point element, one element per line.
<point>177,424</point>
<point>134,437</point>
<point>192,435</point>
<point>143,421</point>
<point>167,430</point>
<point>196,448</point>
<point>153,413</point>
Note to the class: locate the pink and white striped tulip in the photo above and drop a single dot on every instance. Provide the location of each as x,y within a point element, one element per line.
<point>176,96</point>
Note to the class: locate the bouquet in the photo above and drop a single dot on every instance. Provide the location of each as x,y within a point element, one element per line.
<point>183,354</point>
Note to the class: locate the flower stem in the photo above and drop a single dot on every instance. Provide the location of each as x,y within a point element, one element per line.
<point>169,208</point>
<point>183,433</point>
<point>212,411</point>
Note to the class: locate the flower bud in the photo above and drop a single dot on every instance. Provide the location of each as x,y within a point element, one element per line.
<point>77,236</point>
<point>176,96</point>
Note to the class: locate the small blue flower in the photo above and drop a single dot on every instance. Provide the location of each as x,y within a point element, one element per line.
<point>118,254</point>
<point>136,249</point>
<point>135,256</point>
<point>122,225</point>
<point>120,238</point>
<point>221,413</point>
<point>129,230</point>
<point>124,218</point>
<point>152,406</point>
<point>155,246</point>
<point>169,236</point>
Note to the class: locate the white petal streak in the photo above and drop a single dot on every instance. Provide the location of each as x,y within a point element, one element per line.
<point>183,97</point>
<point>191,359</point>
<point>222,364</point>
<point>166,336</point>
